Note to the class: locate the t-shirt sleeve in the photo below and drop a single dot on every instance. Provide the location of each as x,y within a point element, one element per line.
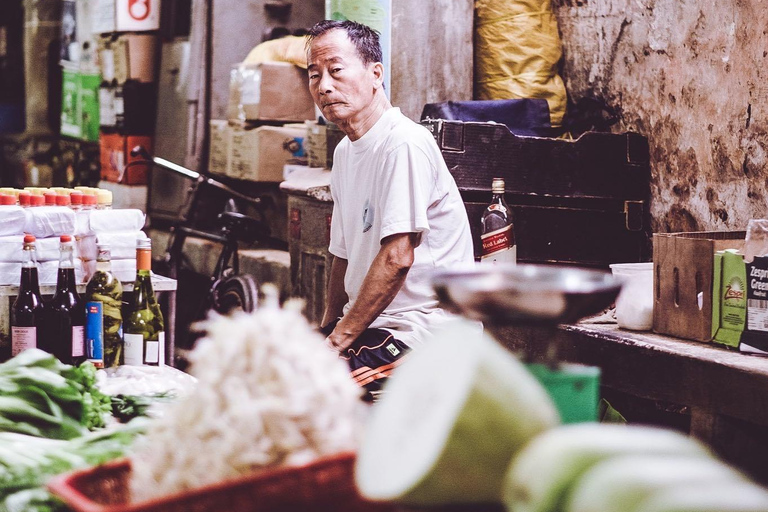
<point>408,183</point>
<point>338,246</point>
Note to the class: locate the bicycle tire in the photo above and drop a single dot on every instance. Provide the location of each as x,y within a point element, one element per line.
<point>235,293</point>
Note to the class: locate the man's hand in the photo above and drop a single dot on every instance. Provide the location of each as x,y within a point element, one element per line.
<point>338,342</point>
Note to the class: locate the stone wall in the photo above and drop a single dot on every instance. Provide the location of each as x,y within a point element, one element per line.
<point>691,76</point>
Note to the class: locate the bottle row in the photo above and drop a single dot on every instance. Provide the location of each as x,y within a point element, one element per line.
<point>92,328</point>
<point>78,198</point>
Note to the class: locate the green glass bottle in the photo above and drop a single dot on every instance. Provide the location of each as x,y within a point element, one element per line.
<point>144,325</point>
<point>103,318</point>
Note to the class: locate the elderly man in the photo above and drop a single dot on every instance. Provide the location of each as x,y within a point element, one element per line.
<point>397,213</point>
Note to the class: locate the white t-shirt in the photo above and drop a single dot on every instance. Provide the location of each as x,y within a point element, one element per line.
<point>394,180</point>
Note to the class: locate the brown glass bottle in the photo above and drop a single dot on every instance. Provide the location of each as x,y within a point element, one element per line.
<point>65,312</point>
<point>27,313</point>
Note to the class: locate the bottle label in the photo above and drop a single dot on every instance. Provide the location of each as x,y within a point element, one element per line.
<point>152,355</point>
<point>133,349</point>
<point>94,332</point>
<point>497,207</point>
<point>496,241</point>
<point>161,347</point>
<point>23,338</point>
<point>78,340</point>
<point>506,256</point>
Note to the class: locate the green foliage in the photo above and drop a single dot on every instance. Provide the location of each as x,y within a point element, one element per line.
<point>27,462</point>
<point>40,396</point>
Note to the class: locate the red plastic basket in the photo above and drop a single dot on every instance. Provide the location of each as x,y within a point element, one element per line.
<point>324,486</point>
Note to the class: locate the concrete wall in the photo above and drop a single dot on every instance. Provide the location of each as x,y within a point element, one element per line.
<point>432,57</point>
<point>690,75</point>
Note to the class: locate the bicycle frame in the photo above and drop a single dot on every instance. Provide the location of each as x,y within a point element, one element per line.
<point>182,229</point>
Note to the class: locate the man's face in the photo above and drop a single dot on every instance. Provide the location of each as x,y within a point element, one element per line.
<point>340,84</point>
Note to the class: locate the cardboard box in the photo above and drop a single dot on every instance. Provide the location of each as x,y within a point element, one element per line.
<point>126,197</point>
<point>115,155</point>
<point>220,151</point>
<point>137,15</point>
<point>129,57</point>
<point>133,107</point>
<point>754,339</point>
<point>107,113</point>
<point>106,51</point>
<point>729,303</point>
<point>136,57</point>
<point>315,144</point>
<point>274,91</point>
<point>683,265</point>
<point>260,154</point>
<point>104,16</point>
<point>80,105</point>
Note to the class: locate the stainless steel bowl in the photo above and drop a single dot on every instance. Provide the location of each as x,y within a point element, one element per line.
<point>525,294</point>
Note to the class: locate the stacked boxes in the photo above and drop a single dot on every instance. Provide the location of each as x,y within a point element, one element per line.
<point>269,104</point>
<point>80,103</point>
<point>119,228</point>
<point>128,49</point>
<point>80,74</point>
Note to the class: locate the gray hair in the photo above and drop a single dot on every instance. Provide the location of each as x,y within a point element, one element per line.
<point>365,39</point>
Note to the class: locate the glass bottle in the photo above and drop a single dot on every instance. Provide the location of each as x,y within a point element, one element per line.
<point>103,318</point>
<point>27,313</point>
<point>498,234</point>
<point>144,324</point>
<point>65,312</point>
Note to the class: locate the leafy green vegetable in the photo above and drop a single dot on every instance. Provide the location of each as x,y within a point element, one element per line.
<point>40,396</point>
<point>127,407</point>
<point>32,500</point>
<point>26,462</point>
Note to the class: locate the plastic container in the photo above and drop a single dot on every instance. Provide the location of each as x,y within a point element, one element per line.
<point>634,305</point>
<point>326,485</point>
<point>89,202</point>
<point>104,200</point>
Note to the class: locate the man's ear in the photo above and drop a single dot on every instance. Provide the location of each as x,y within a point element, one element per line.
<point>378,75</point>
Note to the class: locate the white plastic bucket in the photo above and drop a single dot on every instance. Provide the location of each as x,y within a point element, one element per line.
<point>634,305</point>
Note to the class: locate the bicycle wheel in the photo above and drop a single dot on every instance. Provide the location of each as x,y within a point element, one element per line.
<point>235,293</point>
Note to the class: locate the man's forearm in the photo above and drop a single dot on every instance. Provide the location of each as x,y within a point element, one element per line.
<point>383,281</point>
<point>335,298</point>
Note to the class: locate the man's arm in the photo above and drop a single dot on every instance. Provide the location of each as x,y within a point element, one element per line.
<point>381,284</point>
<point>335,297</point>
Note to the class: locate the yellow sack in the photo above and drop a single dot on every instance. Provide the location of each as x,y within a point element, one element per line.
<point>517,48</point>
<point>286,49</point>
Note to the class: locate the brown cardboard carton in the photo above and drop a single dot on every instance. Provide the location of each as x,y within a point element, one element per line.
<point>220,152</point>
<point>272,91</point>
<point>115,155</point>
<point>135,56</point>
<point>683,265</point>
<point>259,154</point>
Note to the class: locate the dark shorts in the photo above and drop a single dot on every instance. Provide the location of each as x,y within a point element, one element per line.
<point>371,358</point>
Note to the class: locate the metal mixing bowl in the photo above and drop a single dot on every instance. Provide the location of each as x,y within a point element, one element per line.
<point>504,294</point>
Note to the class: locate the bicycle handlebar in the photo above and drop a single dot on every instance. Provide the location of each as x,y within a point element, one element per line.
<point>139,151</point>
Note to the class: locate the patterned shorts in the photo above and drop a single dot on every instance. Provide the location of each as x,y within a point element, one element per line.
<point>371,358</point>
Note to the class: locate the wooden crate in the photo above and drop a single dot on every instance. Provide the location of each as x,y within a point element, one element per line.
<point>583,202</point>
<point>683,276</point>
